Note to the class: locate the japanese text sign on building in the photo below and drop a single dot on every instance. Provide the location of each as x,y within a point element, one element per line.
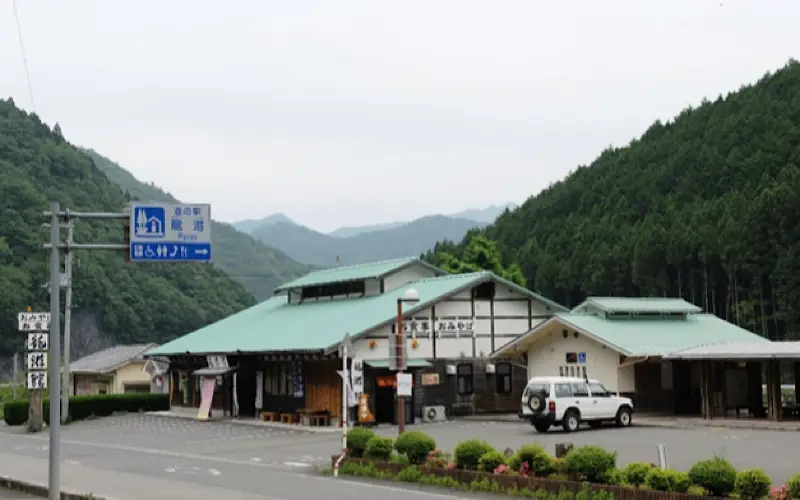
<point>455,326</point>
<point>37,380</point>
<point>37,361</point>
<point>217,361</point>
<point>165,232</point>
<point>33,322</point>
<point>37,342</point>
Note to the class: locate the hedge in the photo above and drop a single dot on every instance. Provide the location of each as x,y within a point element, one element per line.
<point>83,407</point>
<point>585,473</point>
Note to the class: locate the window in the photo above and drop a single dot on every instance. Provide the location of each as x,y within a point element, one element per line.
<point>538,389</point>
<point>599,391</point>
<point>563,391</point>
<point>278,379</point>
<point>503,378</point>
<point>580,390</point>
<point>357,287</point>
<point>464,379</point>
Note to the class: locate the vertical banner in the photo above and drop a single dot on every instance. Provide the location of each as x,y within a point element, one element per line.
<point>259,391</point>
<point>207,396</point>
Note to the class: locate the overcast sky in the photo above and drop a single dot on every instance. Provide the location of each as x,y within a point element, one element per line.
<point>341,112</point>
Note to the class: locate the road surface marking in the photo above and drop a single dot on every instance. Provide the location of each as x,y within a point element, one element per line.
<point>214,472</point>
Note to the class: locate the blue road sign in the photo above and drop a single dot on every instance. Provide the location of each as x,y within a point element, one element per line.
<point>582,358</point>
<point>164,232</point>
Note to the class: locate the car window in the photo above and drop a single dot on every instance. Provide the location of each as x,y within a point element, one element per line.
<point>563,391</point>
<point>599,391</point>
<point>538,388</point>
<point>580,389</point>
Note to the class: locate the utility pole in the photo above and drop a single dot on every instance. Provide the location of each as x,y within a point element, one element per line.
<point>67,319</point>
<point>55,353</point>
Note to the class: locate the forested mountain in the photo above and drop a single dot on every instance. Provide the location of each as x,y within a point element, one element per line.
<point>114,301</point>
<point>258,267</point>
<point>250,225</point>
<point>312,247</point>
<point>706,207</point>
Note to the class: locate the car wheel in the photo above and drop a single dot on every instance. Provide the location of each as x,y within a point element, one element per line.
<point>624,417</point>
<point>536,403</point>
<point>572,421</point>
<point>595,424</point>
<point>541,427</point>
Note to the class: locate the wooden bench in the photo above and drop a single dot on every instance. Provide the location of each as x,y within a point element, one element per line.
<point>319,420</point>
<point>288,418</point>
<point>269,416</point>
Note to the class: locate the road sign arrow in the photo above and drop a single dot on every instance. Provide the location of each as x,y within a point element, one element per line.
<point>201,252</point>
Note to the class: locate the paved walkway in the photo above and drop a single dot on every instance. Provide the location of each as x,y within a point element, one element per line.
<point>645,420</point>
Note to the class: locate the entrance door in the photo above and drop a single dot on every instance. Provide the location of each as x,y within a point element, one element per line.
<point>384,404</point>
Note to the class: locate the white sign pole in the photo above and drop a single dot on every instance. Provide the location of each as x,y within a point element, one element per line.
<point>345,378</point>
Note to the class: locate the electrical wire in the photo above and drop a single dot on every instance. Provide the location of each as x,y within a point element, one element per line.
<point>24,57</point>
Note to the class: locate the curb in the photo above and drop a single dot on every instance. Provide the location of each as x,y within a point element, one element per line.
<point>41,491</point>
<point>254,423</point>
<point>663,425</point>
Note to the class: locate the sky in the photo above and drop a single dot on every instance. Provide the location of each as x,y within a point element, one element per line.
<point>346,112</point>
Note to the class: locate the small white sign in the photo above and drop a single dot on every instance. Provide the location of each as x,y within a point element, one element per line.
<point>33,322</point>
<point>217,361</point>
<point>404,384</point>
<point>37,380</point>
<point>38,341</point>
<point>37,361</point>
<point>357,375</point>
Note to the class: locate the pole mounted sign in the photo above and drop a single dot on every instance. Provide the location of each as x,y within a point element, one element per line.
<point>165,232</point>
<point>37,326</point>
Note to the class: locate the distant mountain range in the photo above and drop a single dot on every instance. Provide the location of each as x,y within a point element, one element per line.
<point>359,244</point>
<point>258,267</point>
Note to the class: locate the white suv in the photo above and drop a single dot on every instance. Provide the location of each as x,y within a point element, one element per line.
<point>568,401</point>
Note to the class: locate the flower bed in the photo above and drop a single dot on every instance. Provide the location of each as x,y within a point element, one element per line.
<point>584,473</point>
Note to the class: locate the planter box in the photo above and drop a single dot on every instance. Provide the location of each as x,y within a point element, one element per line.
<point>532,483</point>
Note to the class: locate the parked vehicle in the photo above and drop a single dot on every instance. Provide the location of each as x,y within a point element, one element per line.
<point>569,401</point>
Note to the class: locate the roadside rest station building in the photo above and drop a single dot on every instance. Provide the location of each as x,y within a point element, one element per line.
<point>471,341</point>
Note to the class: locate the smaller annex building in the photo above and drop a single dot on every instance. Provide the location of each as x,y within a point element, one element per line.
<point>634,345</point>
<point>120,369</point>
<point>280,359</point>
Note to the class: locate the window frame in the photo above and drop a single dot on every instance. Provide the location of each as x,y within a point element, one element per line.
<point>582,385</point>
<point>500,379</point>
<point>606,394</point>
<point>469,379</point>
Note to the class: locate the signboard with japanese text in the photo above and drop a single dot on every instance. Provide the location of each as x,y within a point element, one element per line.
<point>357,375</point>
<point>426,327</point>
<point>37,380</point>
<point>33,321</point>
<point>404,384</point>
<point>37,361</point>
<point>37,342</point>
<point>166,232</point>
<point>217,361</point>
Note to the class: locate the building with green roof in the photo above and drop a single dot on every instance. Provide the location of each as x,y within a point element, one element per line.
<point>632,346</point>
<point>281,357</point>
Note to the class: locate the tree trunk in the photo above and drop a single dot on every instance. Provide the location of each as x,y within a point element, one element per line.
<point>35,411</point>
<point>764,329</point>
<point>705,284</point>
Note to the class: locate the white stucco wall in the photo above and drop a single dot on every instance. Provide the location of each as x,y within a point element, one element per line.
<point>510,320</point>
<point>548,353</point>
<point>411,273</point>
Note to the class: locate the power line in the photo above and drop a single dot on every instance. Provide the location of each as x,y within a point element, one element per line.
<point>24,57</point>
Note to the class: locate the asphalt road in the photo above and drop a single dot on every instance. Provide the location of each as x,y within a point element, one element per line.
<point>174,458</point>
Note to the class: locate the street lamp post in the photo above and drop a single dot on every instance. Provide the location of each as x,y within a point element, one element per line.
<point>410,296</point>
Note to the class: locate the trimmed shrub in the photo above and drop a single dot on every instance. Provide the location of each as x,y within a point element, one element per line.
<point>410,474</point>
<point>590,463</point>
<point>379,448</point>
<point>752,484</point>
<point>697,491</point>
<point>668,480</point>
<point>357,439</point>
<point>83,407</point>
<point>616,477</point>
<point>468,453</point>
<point>491,460</point>
<point>793,486</point>
<point>716,475</point>
<point>540,463</point>
<point>636,473</point>
<point>415,445</point>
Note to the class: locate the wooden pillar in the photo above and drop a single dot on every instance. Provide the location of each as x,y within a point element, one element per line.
<point>774,408</point>
<point>796,382</point>
<point>707,389</point>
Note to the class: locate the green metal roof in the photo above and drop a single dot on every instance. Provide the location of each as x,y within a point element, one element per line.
<point>642,336</point>
<point>641,305</point>
<point>275,325</point>
<point>659,336</point>
<point>356,272</point>
<point>411,363</point>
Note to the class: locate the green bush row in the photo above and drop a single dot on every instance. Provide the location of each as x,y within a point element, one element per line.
<point>83,407</point>
<point>712,477</point>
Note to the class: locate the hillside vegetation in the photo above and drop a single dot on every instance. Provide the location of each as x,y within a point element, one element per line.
<point>114,301</point>
<point>312,247</point>
<point>706,207</point>
<point>258,267</point>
